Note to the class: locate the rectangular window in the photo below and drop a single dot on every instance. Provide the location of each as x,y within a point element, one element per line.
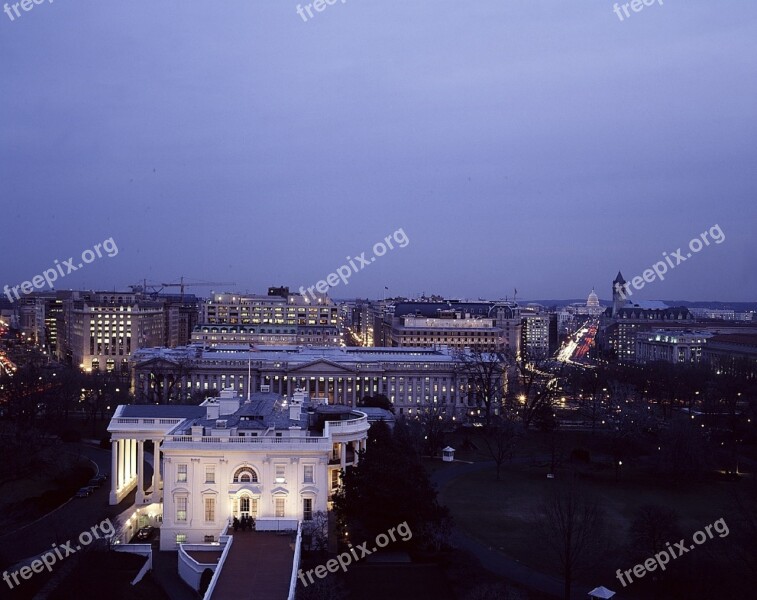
<point>308,474</point>
<point>181,476</point>
<point>279,507</point>
<point>181,508</point>
<point>335,478</point>
<point>281,473</point>
<point>307,509</point>
<point>181,538</point>
<point>210,510</point>
<point>210,474</point>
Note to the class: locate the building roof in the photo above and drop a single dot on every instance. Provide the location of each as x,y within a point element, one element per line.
<point>637,312</point>
<point>167,411</point>
<point>295,354</point>
<point>650,305</point>
<point>432,309</point>
<point>740,339</point>
<point>264,410</point>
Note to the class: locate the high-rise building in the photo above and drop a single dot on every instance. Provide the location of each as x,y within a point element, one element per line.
<point>449,328</point>
<point>500,318</point>
<point>535,333</point>
<point>620,324</point>
<point>103,329</point>
<point>316,320</point>
<point>673,346</point>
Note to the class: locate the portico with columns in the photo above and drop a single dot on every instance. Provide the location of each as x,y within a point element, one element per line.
<point>128,437</point>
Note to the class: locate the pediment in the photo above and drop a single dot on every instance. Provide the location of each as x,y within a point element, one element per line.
<point>157,364</point>
<point>321,366</point>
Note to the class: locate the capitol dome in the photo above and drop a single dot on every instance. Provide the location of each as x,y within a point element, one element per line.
<point>593,300</point>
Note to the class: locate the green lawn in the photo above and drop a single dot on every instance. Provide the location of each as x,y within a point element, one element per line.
<point>503,514</point>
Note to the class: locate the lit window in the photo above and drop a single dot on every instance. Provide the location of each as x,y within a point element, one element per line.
<point>280,507</point>
<point>307,509</point>
<point>181,508</point>
<point>181,476</point>
<point>210,509</point>
<point>245,475</point>
<point>308,474</point>
<point>210,474</point>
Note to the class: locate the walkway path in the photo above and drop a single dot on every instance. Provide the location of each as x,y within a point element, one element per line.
<point>258,565</point>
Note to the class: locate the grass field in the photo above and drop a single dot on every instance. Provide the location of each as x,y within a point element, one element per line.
<point>504,514</point>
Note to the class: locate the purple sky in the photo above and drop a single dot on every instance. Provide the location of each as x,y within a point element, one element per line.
<point>529,144</point>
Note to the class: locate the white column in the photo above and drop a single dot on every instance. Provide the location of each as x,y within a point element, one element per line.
<point>155,469</point>
<point>113,470</point>
<point>121,459</point>
<point>127,461</point>
<point>140,470</point>
<point>133,458</point>
<point>343,454</point>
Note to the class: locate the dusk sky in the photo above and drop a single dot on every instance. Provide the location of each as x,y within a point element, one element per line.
<point>523,144</point>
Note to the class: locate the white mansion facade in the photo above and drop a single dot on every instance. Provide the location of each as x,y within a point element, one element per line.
<point>271,457</point>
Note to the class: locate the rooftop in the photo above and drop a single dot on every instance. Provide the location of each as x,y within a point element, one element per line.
<point>295,354</point>
<point>166,411</point>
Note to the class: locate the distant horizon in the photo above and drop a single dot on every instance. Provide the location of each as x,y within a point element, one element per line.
<point>339,299</point>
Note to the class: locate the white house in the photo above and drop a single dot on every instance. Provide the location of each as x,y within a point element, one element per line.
<point>270,457</point>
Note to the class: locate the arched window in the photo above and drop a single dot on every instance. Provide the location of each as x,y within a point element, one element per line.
<point>245,475</point>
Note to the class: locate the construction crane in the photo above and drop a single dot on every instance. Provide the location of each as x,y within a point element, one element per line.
<point>159,287</point>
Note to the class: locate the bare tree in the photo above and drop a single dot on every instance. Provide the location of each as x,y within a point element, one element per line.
<point>534,389</point>
<point>573,529</point>
<point>318,530</point>
<point>331,588</point>
<point>499,441</point>
<point>435,423</point>
<point>485,373</point>
<point>651,528</point>
<point>495,591</point>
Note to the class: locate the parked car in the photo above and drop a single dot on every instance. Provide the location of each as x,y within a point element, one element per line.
<point>84,492</point>
<point>101,476</point>
<point>146,533</point>
<point>94,483</point>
